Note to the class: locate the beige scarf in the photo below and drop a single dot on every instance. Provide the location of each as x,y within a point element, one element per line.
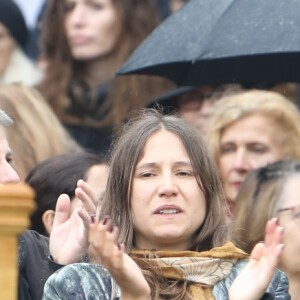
<point>202,270</point>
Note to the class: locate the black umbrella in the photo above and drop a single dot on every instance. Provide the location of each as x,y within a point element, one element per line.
<point>224,41</point>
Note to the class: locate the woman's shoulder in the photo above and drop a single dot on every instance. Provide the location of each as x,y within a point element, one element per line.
<point>277,289</point>
<point>81,281</point>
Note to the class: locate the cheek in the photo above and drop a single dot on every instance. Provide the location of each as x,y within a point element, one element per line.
<point>224,164</point>
<point>199,203</point>
<point>263,160</point>
<point>291,235</point>
<point>141,196</point>
<point>109,25</point>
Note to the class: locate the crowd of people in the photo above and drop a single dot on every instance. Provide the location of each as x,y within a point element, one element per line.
<point>143,189</point>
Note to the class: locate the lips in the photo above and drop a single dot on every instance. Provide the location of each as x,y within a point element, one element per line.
<point>79,40</point>
<point>237,184</point>
<point>168,210</point>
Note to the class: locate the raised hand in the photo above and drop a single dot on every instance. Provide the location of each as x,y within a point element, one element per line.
<point>87,196</point>
<point>127,274</point>
<point>69,236</point>
<point>253,281</point>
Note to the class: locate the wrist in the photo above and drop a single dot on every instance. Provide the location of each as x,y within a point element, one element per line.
<point>66,260</point>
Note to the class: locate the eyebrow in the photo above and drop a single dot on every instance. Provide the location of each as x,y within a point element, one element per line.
<point>155,164</point>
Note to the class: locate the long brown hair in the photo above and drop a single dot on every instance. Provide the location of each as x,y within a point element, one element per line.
<point>127,151</point>
<point>126,93</point>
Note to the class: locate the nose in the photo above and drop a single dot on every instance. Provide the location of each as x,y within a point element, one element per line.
<point>8,174</point>
<point>77,16</point>
<point>241,161</point>
<point>168,186</point>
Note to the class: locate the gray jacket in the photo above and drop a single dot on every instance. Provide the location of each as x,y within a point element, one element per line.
<point>92,282</point>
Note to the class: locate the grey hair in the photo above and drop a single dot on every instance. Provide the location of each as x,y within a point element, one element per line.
<point>5,119</point>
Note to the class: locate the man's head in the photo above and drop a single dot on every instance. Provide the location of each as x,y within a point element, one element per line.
<point>7,172</point>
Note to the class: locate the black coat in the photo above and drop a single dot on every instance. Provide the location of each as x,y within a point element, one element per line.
<point>34,265</point>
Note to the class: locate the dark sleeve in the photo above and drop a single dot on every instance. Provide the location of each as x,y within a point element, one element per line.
<point>33,265</point>
<point>80,281</point>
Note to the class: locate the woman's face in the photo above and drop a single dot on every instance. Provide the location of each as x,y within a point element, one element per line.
<point>7,46</point>
<point>290,220</point>
<point>196,108</point>
<point>167,205</point>
<point>92,28</point>
<point>247,144</point>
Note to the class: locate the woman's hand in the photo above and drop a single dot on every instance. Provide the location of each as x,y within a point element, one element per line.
<point>253,281</point>
<point>69,236</point>
<point>127,274</point>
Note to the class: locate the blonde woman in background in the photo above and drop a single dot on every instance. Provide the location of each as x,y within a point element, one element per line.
<point>249,130</point>
<point>37,134</point>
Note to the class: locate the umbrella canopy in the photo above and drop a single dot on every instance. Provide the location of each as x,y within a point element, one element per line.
<point>223,41</point>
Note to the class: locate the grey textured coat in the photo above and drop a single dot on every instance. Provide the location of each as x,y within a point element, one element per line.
<point>92,282</point>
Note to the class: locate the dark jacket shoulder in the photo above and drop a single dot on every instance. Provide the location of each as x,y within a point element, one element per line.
<point>34,265</point>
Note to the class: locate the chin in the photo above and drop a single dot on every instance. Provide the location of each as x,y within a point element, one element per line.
<point>89,54</point>
<point>171,234</point>
<point>83,56</point>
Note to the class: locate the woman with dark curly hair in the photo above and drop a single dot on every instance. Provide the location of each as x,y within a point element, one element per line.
<point>84,44</point>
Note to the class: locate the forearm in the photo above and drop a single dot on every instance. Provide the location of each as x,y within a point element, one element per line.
<point>131,297</point>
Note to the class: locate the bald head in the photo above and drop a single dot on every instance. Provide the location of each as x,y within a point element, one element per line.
<point>7,172</point>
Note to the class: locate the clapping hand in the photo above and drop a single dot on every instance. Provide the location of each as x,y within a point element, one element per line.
<point>253,281</point>
<point>69,236</point>
<point>127,274</point>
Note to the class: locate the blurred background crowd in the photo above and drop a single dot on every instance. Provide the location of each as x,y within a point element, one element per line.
<point>58,83</point>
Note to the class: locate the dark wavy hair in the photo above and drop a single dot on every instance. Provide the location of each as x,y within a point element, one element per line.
<point>126,93</point>
<point>55,176</point>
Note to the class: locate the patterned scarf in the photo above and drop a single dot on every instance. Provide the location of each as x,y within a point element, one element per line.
<point>202,270</point>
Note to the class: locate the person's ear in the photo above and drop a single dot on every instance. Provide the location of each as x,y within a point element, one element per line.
<point>48,217</point>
